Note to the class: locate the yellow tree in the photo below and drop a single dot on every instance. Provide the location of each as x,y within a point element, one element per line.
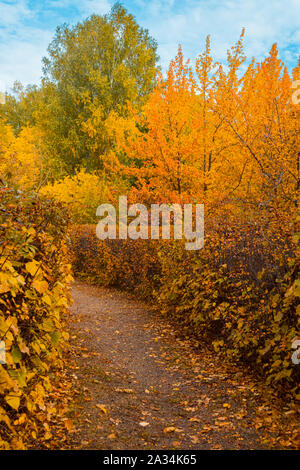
<point>6,137</point>
<point>22,162</point>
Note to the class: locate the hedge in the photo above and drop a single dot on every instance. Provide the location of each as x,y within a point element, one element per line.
<point>34,277</point>
<point>237,294</point>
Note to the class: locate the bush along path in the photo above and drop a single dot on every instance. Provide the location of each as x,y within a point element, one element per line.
<point>138,384</point>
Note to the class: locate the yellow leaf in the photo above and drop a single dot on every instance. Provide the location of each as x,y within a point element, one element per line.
<point>102,408</point>
<point>31,267</point>
<point>21,420</point>
<point>69,424</point>
<point>4,417</point>
<point>65,335</point>
<point>4,287</point>
<point>13,401</point>
<point>47,299</point>
<point>23,348</point>
<point>124,390</point>
<point>169,429</point>
<point>40,286</point>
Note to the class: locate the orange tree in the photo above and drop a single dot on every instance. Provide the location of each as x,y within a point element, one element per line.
<point>162,152</point>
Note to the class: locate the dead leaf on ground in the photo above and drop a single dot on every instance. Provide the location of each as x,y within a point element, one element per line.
<point>102,408</point>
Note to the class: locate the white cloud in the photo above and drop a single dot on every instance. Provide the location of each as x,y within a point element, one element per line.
<point>13,12</point>
<point>99,7</point>
<point>24,36</point>
<point>21,62</point>
<point>22,45</point>
<point>20,59</point>
<point>266,22</point>
<point>85,7</point>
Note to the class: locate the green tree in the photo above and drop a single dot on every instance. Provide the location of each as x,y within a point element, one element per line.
<point>91,71</point>
<point>18,106</point>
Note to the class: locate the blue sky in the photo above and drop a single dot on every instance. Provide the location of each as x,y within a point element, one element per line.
<point>27,26</point>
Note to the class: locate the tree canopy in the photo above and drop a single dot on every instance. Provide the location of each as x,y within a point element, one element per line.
<point>93,69</point>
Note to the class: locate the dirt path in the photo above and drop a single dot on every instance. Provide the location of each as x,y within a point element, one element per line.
<point>137,385</point>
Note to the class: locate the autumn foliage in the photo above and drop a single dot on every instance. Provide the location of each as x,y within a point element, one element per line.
<point>33,298</point>
<point>228,139</point>
<point>217,136</point>
<point>223,135</point>
<point>222,294</point>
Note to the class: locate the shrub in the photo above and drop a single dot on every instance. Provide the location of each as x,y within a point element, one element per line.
<point>81,194</point>
<point>222,293</point>
<point>33,297</point>
<point>22,163</point>
<point>114,262</point>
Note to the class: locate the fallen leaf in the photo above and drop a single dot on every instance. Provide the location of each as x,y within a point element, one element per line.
<point>143,424</point>
<point>69,424</point>
<point>176,443</point>
<point>102,408</point>
<point>169,429</point>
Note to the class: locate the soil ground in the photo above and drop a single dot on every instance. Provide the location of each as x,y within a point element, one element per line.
<point>138,384</point>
